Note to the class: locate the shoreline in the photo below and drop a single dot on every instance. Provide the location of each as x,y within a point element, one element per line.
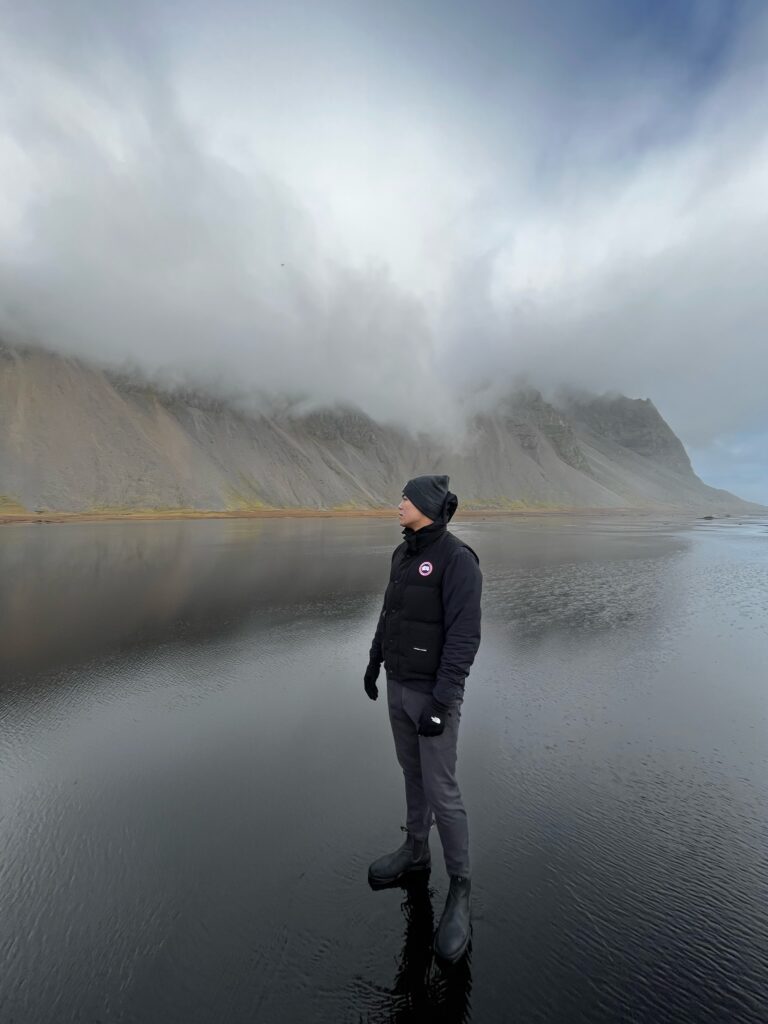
<point>11,518</point>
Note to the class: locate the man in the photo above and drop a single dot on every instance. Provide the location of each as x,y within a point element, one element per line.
<point>427,636</point>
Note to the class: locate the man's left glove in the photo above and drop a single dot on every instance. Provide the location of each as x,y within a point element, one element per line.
<point>432,721</point>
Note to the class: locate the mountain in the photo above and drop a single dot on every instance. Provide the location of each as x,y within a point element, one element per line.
<point>74,437</point>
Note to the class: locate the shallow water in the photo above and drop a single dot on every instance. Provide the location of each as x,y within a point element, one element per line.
<point>192,781</point>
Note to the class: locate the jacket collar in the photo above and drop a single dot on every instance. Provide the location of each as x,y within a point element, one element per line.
<point>417,540</point>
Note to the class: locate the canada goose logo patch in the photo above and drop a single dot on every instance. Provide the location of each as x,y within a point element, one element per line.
<point>425,568</point>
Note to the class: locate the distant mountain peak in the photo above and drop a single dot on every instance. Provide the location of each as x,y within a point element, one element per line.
<point>633,423</point>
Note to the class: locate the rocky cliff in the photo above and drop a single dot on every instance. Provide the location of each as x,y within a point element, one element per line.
<point>74,437</point>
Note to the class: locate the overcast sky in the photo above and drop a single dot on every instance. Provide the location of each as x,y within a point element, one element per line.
<point>407,205</point>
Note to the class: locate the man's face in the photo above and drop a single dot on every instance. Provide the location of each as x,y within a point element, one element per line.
<point>410,516</point>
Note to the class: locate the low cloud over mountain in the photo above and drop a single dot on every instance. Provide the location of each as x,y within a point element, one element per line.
<point>402,206</point>
<point>74,438</point>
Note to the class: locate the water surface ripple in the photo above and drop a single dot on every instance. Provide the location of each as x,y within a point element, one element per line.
<point>193,783</point>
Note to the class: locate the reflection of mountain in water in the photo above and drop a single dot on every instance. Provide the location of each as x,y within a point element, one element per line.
<point>74,438</point>
<point>78,590</point>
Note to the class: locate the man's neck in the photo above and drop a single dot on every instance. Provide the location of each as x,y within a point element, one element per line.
<point>416,539</point>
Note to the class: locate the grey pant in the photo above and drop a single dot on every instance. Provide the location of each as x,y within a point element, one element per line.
<point>429,767</point>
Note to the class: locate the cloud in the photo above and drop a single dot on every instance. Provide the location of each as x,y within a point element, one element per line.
<point>399,208</point>
<point>136,242</point>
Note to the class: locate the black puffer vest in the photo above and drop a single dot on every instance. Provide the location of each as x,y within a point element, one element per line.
<point>412,616</point>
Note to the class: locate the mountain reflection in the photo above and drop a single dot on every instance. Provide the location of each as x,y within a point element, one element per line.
<point>70,592</point>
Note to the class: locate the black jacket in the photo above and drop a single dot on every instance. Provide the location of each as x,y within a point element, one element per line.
<point>429,627</point>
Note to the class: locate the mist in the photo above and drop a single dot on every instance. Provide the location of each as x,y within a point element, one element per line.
<point>412,211</point>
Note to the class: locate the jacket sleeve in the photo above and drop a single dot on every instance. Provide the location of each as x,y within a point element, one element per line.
<point>462,590</point>
<point>376,654</point>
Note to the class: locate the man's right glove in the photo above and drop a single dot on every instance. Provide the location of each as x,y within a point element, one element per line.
<point>432,721</point>
<point>370,677</point>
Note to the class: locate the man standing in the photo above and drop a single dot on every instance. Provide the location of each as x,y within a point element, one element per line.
<point>427,636</point>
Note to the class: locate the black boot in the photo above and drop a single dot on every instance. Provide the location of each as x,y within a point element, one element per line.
<point>452,933</point>
<point>412,856</point>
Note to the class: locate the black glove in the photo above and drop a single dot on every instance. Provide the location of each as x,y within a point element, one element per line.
<point>432,721</point>
<point>370,677</point>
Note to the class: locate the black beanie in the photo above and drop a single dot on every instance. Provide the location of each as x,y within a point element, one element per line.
<point>431,497</point>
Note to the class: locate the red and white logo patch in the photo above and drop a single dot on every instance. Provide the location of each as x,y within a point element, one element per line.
<point>425,568</point>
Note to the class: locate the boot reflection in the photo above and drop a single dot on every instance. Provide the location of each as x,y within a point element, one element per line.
<point>425,989</point>
<point>416,958</point>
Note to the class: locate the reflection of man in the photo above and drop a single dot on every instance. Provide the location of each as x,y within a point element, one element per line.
<point>427,636</point>
<point>418,992</point>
